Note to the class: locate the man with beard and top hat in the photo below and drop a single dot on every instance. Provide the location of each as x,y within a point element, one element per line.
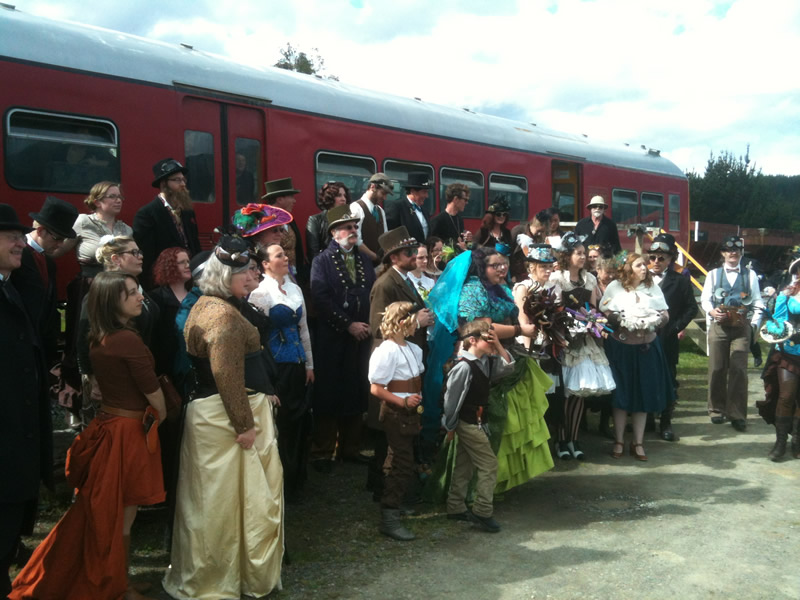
<point>341,280</point>
<point>169,220</point>
<point>410,211</point>
<point>597,228</point>
<point>732,302</point>
<point>25,429</point>
<point>371,216</point>
<point>679,295</point>
<point>281,194</point>
<point>399,251</point>
<point>35,280</point>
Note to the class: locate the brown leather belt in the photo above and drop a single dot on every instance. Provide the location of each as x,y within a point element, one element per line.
<point>408,386</point>
<point>122,412</point>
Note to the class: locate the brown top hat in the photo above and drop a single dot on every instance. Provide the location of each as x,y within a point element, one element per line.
<point>166,167</point>
<point>279,187</point>
<point>396,239</point>
<point>58,216</point>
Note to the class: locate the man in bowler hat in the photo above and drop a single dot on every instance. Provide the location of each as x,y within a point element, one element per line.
<point>409,212</point>
<point>169,220</point>
<point>25,429</point>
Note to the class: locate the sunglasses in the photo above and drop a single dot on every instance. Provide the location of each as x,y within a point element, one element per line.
<point>134,253</point>
<point>409,252</point>
<point>657,258</point>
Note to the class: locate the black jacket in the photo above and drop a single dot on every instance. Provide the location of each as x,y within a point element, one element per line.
<point>606,233</point>
<point>40,300</point>
<point>400,212</point>
<point>317,236</point>
<point>682,305</point>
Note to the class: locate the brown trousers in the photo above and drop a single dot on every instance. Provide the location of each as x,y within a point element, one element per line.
<point>401,429</point>
<point>728,349</point>
<point>326,430</point>
<point>788,401</point>
<point>473,452</point>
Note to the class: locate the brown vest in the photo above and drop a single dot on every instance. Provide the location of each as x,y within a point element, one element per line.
<point>371,229</point>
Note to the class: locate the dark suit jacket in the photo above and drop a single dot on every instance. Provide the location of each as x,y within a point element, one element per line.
<point>682,305</point>
<point>606,233</point>
<point>40,301</point>
<point>25,429</point>
<point>389,288</point>
<point>400,212</point>
<point>155,231</point>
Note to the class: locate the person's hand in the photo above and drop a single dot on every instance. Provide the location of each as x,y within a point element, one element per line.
<point>716,314</point>
<point>425,318</point>
<point>358,330</point>
<point>681,333</point>
<point>309,376</point>
<point>247,438</point>
<point>413,400</point>
<point>768,291</point>
<point>450,436</point>
<point>275,400</point>
<point>468,236</point>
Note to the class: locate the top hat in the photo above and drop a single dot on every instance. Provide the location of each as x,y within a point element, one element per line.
<point>58,216</point>
<point>396,239</point>
<point>597,201</point>
<point>500,205</point>
<point>166,167</point>
<point>9,220</point>
<point>255,218</point>
<point>382,181</point>
<point>540,253</point>
<point>733,242</point>
<point>233,251</point>
<point>418,181</point>
<point>663,242</point>
<point>279,187</point>
<point>339,215</point>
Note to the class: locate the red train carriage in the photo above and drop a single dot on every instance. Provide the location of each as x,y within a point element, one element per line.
<point>82,104</point>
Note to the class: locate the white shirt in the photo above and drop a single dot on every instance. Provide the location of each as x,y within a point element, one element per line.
<point>390,362</point>
<point>32,243</point>
<point>419,215</point>
<point>711,283</point>
<point>356,210</point>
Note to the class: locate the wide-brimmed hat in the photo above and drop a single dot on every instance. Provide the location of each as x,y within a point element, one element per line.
<point>500,205</point>
<point>597,201</point>
<point>279,187</point>
<point>540,253</point>
<point>733,242</point>
<point>418,181</point>
<point>9,220</point>
<point>382,181</point>
<point>664,242</point>
<point>339,215</point>
<point>255,218</point>
<point>166,167</point>
<point>58,216</point>
<point>396,239</point>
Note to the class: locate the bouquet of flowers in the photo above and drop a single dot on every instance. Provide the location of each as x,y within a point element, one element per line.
<point>544,310</point>
<point>589,320</point>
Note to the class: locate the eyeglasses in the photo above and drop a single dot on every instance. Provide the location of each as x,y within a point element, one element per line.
<point>134,253</point>
<point>55,236</point>
<point>657,258</point>
<point>498,266</point>
<point>115,196</point>
<point>409,252</point>
<point>14,236</point>
<point>178,179</point>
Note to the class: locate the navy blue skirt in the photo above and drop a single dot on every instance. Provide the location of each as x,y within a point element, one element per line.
<point>644,383</point>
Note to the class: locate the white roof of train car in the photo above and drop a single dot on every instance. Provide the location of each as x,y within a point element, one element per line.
<point>96,50</point>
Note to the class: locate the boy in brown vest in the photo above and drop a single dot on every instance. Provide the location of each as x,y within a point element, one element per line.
<point>481,361</point>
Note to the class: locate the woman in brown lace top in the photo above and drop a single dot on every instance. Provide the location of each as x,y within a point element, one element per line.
<point>229,495</point>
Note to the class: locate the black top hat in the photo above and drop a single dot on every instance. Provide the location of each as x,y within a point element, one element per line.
<point>418,181</point>
<point>165,168</point>
<point>339,215</point>
<point>733,242</point>
<point>394,240</point>
<point>663,242</point>
<point>9,220</point>
<point>58,216</point>
<point>279,187</point>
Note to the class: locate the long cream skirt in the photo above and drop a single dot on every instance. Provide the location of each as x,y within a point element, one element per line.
<point>228,532</point>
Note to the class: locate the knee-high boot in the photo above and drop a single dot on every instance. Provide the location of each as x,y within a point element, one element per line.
<point>782,427</point>
<point>796,437</point>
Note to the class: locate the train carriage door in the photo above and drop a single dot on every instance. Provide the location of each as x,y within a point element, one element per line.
<point>566,186</point>
<point>243,176</point>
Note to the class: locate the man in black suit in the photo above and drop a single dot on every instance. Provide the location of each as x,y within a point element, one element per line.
<point>35,280</point>
<point>410,212</point>
<point>169,220</point>
<point>598,228</point>
<point>677,291</point>
<point>25,429</point>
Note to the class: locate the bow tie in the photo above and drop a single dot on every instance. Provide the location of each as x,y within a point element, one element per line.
<point>736,270</point>
<point>416,207</point>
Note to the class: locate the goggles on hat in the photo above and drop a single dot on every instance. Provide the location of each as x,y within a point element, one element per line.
<point>232,259</point>
<point>736,244</point>
<point>659,247</point>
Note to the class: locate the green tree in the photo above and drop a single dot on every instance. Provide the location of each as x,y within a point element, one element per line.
<point>293,59</point>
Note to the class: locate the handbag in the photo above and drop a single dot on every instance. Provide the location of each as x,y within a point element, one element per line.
<point>172,399</point>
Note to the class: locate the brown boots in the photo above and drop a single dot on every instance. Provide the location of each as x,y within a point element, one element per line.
<point>783,426</point>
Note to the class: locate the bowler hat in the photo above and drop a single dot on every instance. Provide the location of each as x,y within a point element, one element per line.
<point>166,167</point>
<point>58,216</point>
<point>663,242</point>
<point>279,187</point>
<point>9,220</point>
<point>255,218</point>
<point>382,181</point>
<point>597,201</point>
<point>339,215</point>
<point>418,181</point>
<point>396,239</point>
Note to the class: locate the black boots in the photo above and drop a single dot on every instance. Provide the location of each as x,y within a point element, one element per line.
<point>391,526</point>
<point>666,427</point>
<point>796,437</point>
<point>783,426</point>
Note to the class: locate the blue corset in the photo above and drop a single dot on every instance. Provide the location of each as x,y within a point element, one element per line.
<point>284,334</point>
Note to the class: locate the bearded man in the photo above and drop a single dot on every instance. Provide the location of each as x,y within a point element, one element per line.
<point>597,228</point>
<point>169,220</point>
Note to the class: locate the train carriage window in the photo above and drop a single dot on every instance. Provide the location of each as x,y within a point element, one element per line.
<point>624,207</point>
<point>398,173</point>
<point>199,150</point>
<point>652,209</point>
<point>59,153</point>
<point>247,165</point>
<point>674,212</point>
<point>514,190</point>
<point>473,180</point>
<point>353,171</point>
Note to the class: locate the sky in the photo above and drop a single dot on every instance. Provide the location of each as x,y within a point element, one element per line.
<point>688,77</point>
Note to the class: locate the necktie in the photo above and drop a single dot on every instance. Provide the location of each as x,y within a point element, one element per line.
<point>416,207</point>
<point>375,214</point>
<point>411,285</point>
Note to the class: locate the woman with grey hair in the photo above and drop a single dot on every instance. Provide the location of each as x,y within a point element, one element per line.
<point>228,530</point>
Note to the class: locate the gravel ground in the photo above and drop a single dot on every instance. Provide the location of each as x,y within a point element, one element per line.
<point>706,517</point>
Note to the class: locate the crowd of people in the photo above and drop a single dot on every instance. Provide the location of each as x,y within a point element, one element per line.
<point>453,366</point>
